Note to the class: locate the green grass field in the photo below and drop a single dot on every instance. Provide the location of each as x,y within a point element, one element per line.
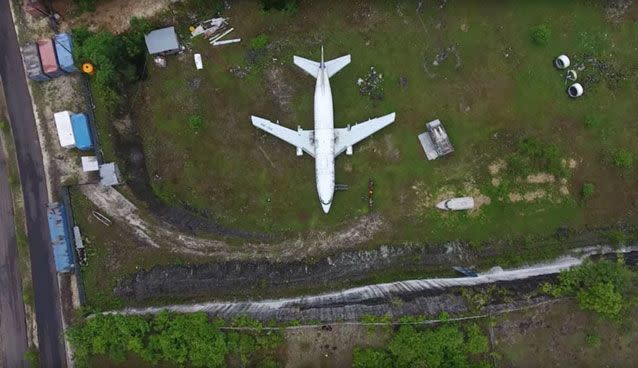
<point>505,90</point>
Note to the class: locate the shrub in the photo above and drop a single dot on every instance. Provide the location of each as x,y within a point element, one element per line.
<point>541,34</point>
<point>592,340</point>
<point>371,358</point>
<point>593,121</point>
<point>600,287</point>
<point>588,191</point>
<point>196,123</point>
<point>259,42</point>
<point>623,159</point>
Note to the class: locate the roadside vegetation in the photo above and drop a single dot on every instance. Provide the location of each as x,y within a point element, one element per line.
<point>606,288</point>
<point>177,339</point>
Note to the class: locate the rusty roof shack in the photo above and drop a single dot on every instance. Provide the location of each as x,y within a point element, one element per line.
<point>49,60</point>
<point>162,41</point>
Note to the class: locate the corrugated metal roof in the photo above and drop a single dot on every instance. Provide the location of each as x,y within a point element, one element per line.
<point>162,40</point>
<point>47,57</point>
<point>65,130</point>
<point>32,64</point>
<point>109,175</point>
<point>60,240</point>
<point>81,132</point>
<point>64,49</point>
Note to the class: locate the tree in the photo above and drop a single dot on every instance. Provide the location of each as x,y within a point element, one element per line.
<point>371,358</point>
<point>601,298</point>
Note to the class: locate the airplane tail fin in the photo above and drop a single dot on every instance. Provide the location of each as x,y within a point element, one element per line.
<point>313,67</point>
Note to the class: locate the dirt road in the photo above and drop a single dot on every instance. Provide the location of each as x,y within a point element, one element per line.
<point>21,118</point>
<point>13,333</point>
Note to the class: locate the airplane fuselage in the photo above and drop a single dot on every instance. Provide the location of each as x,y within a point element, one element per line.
<point>324,139</point>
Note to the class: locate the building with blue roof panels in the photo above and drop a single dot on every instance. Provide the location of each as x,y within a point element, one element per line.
<point>64,51</point>
<point>81,132</point>
<point>60,237</point>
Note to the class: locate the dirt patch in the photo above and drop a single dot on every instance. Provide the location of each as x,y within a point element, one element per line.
<point>497,166</point>
<point>391,151</point>
<point>330,345</point>
<point>113,15</point>
<point>279,89</point>
<point>528,196</point>
<point>540,178</point>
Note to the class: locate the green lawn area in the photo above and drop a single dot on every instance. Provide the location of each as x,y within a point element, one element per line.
<point>504,91</point>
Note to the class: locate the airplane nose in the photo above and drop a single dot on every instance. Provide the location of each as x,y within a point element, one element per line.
<point>326,207</point>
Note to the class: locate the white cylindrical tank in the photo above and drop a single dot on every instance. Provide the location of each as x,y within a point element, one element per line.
<point>575,90</point>
<point>562,62</point>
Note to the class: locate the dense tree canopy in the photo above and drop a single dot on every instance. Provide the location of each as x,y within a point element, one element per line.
<point>445,346</point>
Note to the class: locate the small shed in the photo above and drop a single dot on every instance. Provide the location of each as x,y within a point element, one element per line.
<point>65,129</point>
<point>47,57</point>
<point>32,64</point>
<point>109,175</point>
<point>60,237</point>
<point>435,141</point>
<point>89,163</point>
<point>81,132</point>
<point>162,41</point>
<point>64,50</point>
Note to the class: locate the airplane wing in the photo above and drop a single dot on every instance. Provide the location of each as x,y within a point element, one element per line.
<point>347,137</point>
<point>302,139</point>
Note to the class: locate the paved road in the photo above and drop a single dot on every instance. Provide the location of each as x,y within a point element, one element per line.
<point>45,286</point>
<point>13,332</point>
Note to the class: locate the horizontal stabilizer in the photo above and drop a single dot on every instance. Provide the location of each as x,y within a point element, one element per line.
<point>309,66</point>
<point>334,65</point>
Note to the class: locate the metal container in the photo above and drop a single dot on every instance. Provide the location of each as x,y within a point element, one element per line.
<point>81,132</point>
<point>32,65</point>
<point>48,59</point>
<point>64,52</point>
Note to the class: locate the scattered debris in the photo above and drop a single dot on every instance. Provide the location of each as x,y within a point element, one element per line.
<point>101,218</point>
<point>370,194</point>
<point>435,141</point>
<point>465,271</point>
<point>160,61</point>
<point>341,187</point>
<point>456,204</point>
<point>239,71</point>
<point>371,85</point>
<point>198,61</point>
<point>79,245</point>
<point>194,83</point>
<point>403,82</point>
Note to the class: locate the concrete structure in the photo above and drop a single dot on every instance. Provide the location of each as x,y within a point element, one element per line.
<point>89,164</point>
<point>162,41</point>
<point>435,141</point>
<point>64,128</point>
<point>324,143</point>
<point>48,59</point>
<point>64,51</point>
<point>32,64</point>
<point>60,237</point>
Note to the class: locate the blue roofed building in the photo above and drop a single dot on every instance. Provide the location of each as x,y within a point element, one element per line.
<point>60,237</point>
<point>64,51</point>
<point>81,132</point>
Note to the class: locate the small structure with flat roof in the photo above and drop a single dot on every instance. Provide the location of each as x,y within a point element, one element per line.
<point>162,41</point>
<point>109,175</point>
<point>435,141</point>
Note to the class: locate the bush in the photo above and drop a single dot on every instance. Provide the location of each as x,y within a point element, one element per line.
<point>588,191</point>
<point>599,287</point>
<point>371,358</point>
<point>541,34</point>
<point>196,123</point>
<point>593,121</point>
<point>259,42</point>
<point>623,159</point>
<point>592,340</point>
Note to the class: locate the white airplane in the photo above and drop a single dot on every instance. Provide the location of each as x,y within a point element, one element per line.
<point>324,143</point>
